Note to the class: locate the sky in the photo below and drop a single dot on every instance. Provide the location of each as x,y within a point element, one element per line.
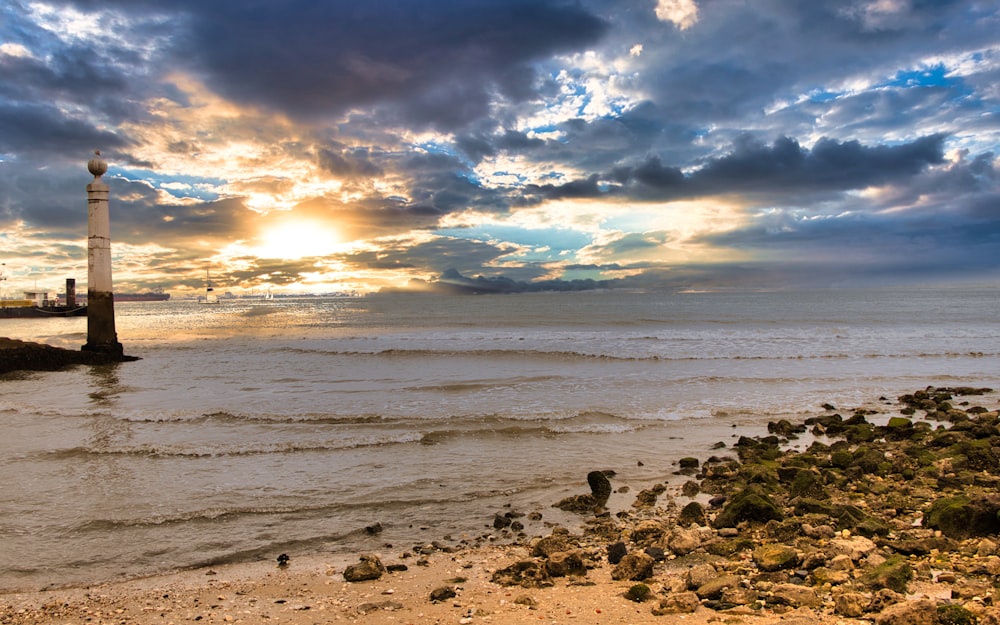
<point>307,146</point>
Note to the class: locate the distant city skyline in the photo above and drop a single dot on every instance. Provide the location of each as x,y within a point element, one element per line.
<point>516,144</point>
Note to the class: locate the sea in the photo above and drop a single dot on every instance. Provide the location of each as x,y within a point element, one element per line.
<point>345,425</point>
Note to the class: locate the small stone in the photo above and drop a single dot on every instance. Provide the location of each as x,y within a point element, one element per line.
<point>442,594</point>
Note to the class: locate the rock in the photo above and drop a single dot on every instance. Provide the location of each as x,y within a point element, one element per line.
<point>548,545</point>
<point>500,521</point>
<point>752,505</point>
<point>961,518</point>
<point>369,568</point>
<point>527,600</point>
<point>648,496</point>
<point>638,593</point>
<point>635,567</point>
<point>823,575</point>
<point>683,541</point>
<point>699,575</point>
<point>895,573</point>
<point>954,614</point>
<point>578,503</point>
<point>442,594</point>
<point>690,488</point>
<point>655,553</point>
<point>919,612</point>
<point>850,604</point>
<point>647,533</point>
<point>795,596</point>
<point>775,557</point>
<point>785,428</point>
<point>691,514</point>
<point>600,487</point>
<point>738,595</point>
<point>714,588</point>
<point>808,484</point>
<point>678,603</point>
<point>367,608</point>
<point>565,563</point>
<point>526,573</point>
<point>855,547</point>
<point>884,598</point>
<point>616,552</point>
<point>688,466</point>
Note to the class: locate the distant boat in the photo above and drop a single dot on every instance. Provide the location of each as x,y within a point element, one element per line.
<point>148,296</point>
<point>210,296</point>
<point>20,308</point>
<point>36,304</point>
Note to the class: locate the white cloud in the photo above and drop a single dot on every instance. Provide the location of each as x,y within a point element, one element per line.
<point>683,13</point>
<point>15,50</point>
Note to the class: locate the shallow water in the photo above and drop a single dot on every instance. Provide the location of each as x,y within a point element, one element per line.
<point>252,428</point>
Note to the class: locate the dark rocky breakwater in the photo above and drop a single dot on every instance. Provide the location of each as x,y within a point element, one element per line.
<point>896,523</point>
<point>18,355</point>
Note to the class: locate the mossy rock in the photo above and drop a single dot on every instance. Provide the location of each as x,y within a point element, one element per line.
<point>752,504</point>
<point>729,548</point>
<point>808,484</point>
<point>954,614</point>
<point>980,455</point>
<point>863,433</point>
<point>960,518</point>
<point>638,593</point>
<point>841,459</point>
<point>693,513</point>
<point>894,574</point>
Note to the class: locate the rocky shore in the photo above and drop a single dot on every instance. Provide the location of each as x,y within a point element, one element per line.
<point>891,517</point>
<point>851,526</point>
<point>18,355</point>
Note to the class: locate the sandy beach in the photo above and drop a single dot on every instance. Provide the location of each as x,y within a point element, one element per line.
<point>893,524</point>
<point>312,590</point>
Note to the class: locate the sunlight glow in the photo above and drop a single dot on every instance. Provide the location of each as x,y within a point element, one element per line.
<point>298,239</point>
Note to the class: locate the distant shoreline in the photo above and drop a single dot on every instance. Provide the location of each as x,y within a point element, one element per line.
<point>16,355</point>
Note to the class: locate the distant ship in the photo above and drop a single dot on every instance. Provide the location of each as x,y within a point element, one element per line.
<point>37,304</point>
<point>148,296</point>
<point>20,308</point>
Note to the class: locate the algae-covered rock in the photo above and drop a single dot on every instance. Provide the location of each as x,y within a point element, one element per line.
<point>954,614</point>
<point>775,557</point>
<point>808,484</point>
<point>895,573</point>
<point>752,504</point>
<point>691,514</point>
<point>960,518</point>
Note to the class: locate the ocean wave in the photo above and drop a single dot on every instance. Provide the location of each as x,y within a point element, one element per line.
<point>246,449</point>
<point>564,355</point>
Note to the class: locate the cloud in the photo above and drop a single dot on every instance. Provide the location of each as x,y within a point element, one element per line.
<point>417,62</point>
<point>651,142</point>
<point>683,13</point>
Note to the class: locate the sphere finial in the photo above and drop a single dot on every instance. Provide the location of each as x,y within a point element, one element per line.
<point>96,165</point>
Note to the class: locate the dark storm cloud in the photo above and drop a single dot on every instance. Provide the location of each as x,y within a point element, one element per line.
<point>782,168</point>
<point>436,256</point>
<point>42,130</point>
<point>426,62</point>
<point>952,225</point>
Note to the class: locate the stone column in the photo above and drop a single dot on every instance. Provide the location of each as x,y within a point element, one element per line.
<point>101,334</point>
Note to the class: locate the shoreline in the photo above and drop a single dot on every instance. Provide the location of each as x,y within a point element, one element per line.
<point>835,533</point>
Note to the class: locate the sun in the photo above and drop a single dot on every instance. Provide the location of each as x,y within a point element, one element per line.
<point>298,239</point>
